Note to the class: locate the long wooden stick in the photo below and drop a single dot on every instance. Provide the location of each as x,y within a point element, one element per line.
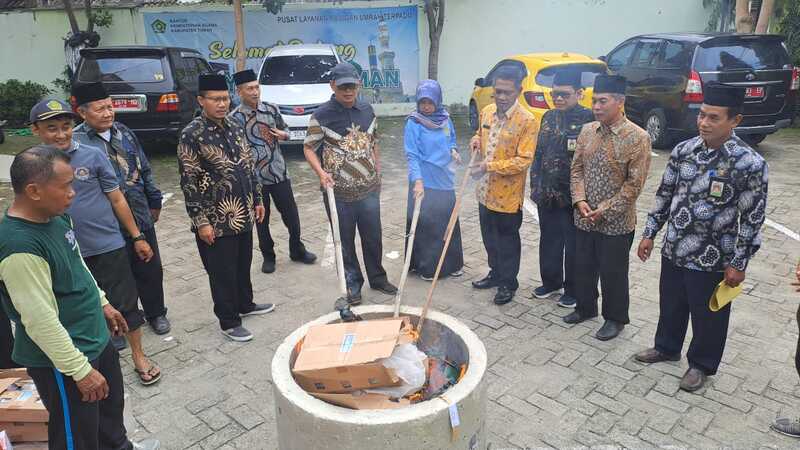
<point>448,235</point>
<point>337,241</point>
<point>407,263</point>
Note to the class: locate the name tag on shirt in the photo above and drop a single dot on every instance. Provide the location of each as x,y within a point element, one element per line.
<point>717,186</point>
<point>572,145</point>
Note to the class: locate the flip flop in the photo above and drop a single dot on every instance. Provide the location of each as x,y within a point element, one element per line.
<point>149,372</point>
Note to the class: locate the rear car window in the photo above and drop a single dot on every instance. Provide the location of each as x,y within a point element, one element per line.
<point>588,73</point>
<point>138,69</point>
<point>299,69</point>
<point>741,55</point>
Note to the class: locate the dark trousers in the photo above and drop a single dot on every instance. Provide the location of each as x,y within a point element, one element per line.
<point>227,263</point>
<point>500,233</point>
<point>283,197</point>
<point>365,216</point>
<point>6,341</point>
<point>149,277</point>
<point>113,274</point>
<point>604,257</point>
<point>557,249</point>
<point>685,293</point>
<point>78,425</point>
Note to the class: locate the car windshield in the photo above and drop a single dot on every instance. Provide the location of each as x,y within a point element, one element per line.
<point>588,73</point>
<point>298,69</point>
<point>111,69</point>
<point>742,55</point>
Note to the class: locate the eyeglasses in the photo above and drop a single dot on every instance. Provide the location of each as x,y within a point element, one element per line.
<point>561,94</point>
<point>347,87</point>
<point>224,99</point>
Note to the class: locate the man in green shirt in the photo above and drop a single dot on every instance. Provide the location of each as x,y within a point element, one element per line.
<point>62,318</point>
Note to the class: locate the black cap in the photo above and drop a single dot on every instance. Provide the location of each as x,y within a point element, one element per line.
<point>212,82</point>
<point>48,109</point>
<point>568,77</point>
<point>610,84</point>
<point>718,94</point>
<point>345,73</point>
<point>89,92</point>
<point>244,76</point>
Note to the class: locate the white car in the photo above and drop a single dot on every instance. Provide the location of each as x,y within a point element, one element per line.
<point>295,77</point>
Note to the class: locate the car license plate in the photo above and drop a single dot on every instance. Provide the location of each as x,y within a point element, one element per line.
<point>754,92</point>
<point>297,135</point>
<point>127,104</point>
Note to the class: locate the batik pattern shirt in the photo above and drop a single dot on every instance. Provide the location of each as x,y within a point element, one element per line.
<point>714,203</point>
<point>217,178</point>
<point>270,167</point>
<point>558,137</point>
<point>508,143</point>
<point>133,170</point>
<point>608,172</point>
<point>344,140</point>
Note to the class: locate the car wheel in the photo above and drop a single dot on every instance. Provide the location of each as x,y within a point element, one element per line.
<point>753,139</point>
<point>655,124</point>
<point>473,116</point>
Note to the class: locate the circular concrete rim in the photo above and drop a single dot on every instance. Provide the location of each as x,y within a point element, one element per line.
<point>284,382</point>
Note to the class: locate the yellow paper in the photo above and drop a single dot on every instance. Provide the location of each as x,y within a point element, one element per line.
<point>723,295</point>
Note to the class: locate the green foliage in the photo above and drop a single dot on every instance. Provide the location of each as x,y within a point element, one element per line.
<point>273,6</point>
<point>101,18</point>
<point>17,98</point>
<point>789,26</point>
<point>64,82</point>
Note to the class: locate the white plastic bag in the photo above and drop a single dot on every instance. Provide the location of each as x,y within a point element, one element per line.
<point>409,364</point>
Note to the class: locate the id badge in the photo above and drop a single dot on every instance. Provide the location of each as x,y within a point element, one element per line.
<point>572,144</point>
<point>717,187</point>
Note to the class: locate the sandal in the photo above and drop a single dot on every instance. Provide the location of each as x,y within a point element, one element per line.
<point>148,373</point>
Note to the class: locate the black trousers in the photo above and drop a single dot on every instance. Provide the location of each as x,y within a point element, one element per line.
<point>365,216</point>
<point>283,197</point>
<point>6,341</point>
<point>113,274</point>
<point>500,233</point>
<point>685,294</point>
<point>78,425</point>
<point>557,248</point>
<point>227,263</point>
<point>149,277</point>
<point>604,257</point>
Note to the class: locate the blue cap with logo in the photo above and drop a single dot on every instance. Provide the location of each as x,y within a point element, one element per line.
<point>48,109</point>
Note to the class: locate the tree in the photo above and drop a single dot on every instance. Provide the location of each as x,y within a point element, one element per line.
<point>744,20</point>
<point>721,16</point>
<point>78,39</point>
<point>273,6</point>
<point>434,9</point>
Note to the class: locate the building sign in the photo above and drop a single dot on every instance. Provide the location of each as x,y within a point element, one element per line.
<point>381,42</point>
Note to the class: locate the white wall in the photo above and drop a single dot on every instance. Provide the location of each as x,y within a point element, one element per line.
<point>478,33</point>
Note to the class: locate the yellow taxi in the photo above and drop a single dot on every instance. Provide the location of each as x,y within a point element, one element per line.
<point>540,68</point>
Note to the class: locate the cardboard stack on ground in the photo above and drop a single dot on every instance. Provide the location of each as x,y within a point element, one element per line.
<point>22,415</point>
<point>5,168</point>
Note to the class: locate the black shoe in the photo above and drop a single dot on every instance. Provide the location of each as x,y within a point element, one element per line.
<point>354,295</point>
<point>385,287</point>
<point>119,343</point>
<point>305,258</point>
<point>160,325</point>
<point>545,292</point>
<point>693,380</point>
<point>609,330</point>
<point>575,317</point>
<point>261,308</point>
<point>503,296</point>
<point>486,283</point>
<point>788,427</point>
<point>652,356</point>
<point>268,266</point>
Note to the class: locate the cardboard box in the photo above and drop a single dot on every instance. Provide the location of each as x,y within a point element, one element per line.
<point>363,400</point>
<point>343,357</point>
<point>22,415</point>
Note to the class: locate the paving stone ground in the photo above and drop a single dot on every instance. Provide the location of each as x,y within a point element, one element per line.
<point>550,385</point>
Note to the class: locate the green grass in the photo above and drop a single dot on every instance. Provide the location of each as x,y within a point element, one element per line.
<point>15,144</point>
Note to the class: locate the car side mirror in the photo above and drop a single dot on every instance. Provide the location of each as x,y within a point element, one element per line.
<point>480,82</point>
<point>602,58</point>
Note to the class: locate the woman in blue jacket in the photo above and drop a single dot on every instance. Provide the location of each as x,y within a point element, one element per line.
<point>430,143</point>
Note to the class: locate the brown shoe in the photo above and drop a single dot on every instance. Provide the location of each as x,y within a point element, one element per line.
<point>652,355</point>
<point>693,380</point>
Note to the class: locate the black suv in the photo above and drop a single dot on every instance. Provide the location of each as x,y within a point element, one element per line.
<point>154,89</point>
<point>666,73</point>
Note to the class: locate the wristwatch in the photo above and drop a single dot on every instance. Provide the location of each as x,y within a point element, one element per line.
<point>140,237</point>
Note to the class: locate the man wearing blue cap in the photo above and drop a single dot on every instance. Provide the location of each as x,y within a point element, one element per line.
<point>555,147</point>
<point>713,198</point>
<point>610,166</point>
<point>264,127</point>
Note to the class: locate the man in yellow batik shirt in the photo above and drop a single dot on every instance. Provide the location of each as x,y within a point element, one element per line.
<point>506,141</point>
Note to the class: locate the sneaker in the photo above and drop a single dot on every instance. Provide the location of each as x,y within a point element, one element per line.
<point>238,334</point>
<point>566,301</point>
<point>545,292</point>
<point>426,278</point>
<point>457,273</point>
<point>789,427</point>
<point>261,308</point>
<point>147,444</point>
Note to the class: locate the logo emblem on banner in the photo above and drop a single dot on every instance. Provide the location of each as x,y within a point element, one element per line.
<point>159,26</point>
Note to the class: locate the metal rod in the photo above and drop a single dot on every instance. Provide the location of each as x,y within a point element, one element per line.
<point>337,242</point>
<point>409,248</point>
